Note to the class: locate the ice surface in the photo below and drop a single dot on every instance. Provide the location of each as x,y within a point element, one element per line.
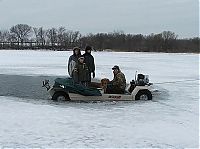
<point>170,120</point>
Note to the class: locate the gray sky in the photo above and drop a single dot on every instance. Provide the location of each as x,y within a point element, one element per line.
<point>92,16</point>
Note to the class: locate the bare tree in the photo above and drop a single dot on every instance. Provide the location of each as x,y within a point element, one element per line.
<point>61,36</point>
<point>4,36</point>
<point>71,38</point>
<point>75,36</point>
<point>168,35</point>
<point>169,40</point>
<point>21,31</point>
<point>40,34</point>
<point>52,36</point>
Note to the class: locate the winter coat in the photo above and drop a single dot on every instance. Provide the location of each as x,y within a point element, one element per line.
<point>89,60</point>
<point>81,73</point>
<point>119,81</point>
<point>73,59</point>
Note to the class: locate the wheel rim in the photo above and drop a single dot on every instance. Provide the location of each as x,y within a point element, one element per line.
<point>144,97</point>
<point>61,98</point>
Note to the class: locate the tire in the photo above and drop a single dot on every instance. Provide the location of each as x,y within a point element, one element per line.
<point>143,95</point>
<point>60,96</point>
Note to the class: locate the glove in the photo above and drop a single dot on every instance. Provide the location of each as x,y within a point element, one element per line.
<point>93,74</point>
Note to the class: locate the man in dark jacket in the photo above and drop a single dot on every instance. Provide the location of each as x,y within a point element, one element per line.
<point>81,72</point>
<point>118,84</point>
<point>73,59</point>
<point>89,60</point>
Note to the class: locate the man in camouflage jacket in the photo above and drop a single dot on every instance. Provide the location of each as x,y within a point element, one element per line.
<point>81,72</point>
<point>118,84</point>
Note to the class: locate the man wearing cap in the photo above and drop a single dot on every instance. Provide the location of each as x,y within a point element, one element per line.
<point>81,72</point>
<point>118,84</point>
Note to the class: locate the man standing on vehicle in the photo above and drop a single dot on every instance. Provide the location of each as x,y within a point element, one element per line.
<point>118,84</point>
<point>89,60</point>
<point>80,72</point>
<point>73,60</point>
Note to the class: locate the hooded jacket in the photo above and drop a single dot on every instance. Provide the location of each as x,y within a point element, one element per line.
<point>73,60</point>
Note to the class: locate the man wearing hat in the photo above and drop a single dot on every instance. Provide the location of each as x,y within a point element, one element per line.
<point>118,84</point>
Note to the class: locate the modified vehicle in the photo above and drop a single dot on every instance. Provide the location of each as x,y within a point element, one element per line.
<point>66,89</point>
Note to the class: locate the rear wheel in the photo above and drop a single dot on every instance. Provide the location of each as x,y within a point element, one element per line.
<point>60,96</point>
<point>143,95</point>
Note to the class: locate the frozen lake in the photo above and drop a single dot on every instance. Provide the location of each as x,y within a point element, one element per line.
<point>29,119</point>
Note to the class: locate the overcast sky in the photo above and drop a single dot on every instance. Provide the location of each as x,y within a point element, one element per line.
<point>92,16</point>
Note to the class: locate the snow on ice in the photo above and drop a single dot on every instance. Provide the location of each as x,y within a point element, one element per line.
<point>170,120</point>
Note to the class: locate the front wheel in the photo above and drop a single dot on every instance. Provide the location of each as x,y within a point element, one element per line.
<point>60,96</point>
<point>143,95</point>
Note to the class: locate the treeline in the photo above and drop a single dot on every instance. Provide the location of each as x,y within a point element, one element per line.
<point>23,36</point>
